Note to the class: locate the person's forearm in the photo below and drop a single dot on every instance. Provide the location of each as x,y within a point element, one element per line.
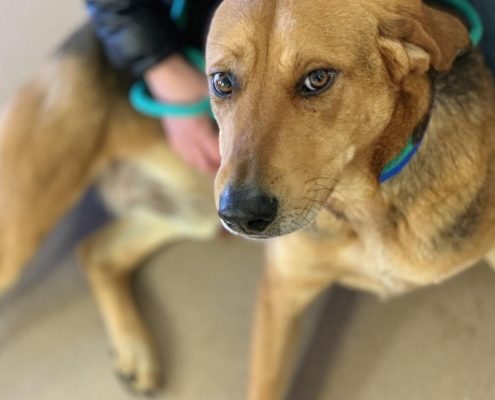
<point>175,80</point>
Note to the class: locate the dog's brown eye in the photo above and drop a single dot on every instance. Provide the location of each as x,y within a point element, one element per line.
<point>222,84</point>
<point>318,81</point>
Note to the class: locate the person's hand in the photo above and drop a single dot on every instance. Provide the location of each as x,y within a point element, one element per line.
<point>195,139</point>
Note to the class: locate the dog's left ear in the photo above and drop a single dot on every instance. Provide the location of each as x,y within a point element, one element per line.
<point>415,37</point>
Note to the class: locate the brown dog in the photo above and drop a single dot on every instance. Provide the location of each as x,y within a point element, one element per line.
<point>292,159</point>
<point>313,99</point>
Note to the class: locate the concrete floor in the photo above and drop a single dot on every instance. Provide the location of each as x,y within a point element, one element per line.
<point>435,344</point>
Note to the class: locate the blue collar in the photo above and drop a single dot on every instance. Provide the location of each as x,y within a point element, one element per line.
<point>395,166</point>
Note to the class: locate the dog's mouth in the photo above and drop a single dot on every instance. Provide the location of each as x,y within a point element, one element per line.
<point>244,233</point>
<point>275,221</point>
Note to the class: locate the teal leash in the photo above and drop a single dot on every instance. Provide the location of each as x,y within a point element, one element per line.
<point>140,96</point>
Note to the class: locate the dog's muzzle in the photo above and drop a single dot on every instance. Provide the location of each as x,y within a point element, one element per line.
<point>247,210</point>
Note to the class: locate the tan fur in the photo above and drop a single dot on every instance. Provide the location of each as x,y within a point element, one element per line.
<point>71,127</point>
<point>321,157</point>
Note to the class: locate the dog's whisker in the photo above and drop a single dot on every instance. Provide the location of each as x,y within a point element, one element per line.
<point>319,178</point>
<point>321,189</point>
<point>315,201</point>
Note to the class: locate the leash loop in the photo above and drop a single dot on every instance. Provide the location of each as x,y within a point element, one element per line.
<point>140,96</point>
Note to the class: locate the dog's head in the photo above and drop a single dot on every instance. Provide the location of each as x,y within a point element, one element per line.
<point>307,93</point>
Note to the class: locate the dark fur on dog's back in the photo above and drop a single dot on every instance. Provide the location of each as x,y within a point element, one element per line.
<point>468,77</point>
<point>461,96</point>
<point>84,45</point>
<point>60,130</point>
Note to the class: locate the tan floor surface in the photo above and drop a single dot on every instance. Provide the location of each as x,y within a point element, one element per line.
<point>435,344</point>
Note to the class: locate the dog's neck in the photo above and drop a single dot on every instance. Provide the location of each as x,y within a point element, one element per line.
<point>438,83</point>
<point>395,166</point>
<point>393,149</point>
<point>456,99</point>
<point>469,15</point>
<point>461,114</point>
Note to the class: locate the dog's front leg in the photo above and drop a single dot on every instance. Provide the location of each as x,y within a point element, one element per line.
<point>282,300</point>
<point>109,257</point>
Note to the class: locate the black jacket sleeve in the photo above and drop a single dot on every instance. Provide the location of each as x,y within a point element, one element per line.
<point>486,9</point>
<point>136,34</point>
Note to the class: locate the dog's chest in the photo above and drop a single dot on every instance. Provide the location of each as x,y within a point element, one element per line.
<point>361,258</point>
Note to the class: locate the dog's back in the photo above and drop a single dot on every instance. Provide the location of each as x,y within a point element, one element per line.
<point>51,133</point>
<point>68,128</point>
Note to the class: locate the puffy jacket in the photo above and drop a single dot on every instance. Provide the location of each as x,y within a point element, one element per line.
<point>487,12</point>
<point>137,34</point>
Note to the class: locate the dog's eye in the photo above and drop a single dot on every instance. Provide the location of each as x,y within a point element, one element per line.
<point>222,84</point>
<point>318,81</point>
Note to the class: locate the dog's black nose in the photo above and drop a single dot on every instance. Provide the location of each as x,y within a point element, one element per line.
<point>247,209</point>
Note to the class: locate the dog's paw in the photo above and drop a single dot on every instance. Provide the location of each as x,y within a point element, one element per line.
<point>137,365</point>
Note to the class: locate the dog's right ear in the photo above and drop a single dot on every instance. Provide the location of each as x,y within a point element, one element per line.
<point>414,37</point>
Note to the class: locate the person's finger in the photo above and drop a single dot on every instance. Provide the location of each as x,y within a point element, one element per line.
<point>186,149</point>
<point>195,142</point>
<point>213,162</point>
<point>200,159</point>
<point>212,166</point>
<point>212,148</point>
<point>205,163</point>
